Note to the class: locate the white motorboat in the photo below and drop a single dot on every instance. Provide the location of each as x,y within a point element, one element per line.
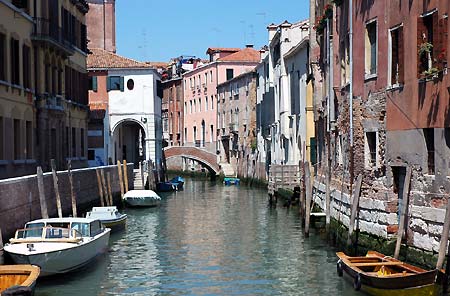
<point>142,198</point>
<point>109,216</point>
<point>58,245</point>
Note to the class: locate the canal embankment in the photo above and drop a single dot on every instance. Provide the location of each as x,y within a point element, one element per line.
<point>21,202</point>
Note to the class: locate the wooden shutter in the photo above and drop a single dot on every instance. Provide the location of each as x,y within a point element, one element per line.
<point>94,83</point>
<point>401,56</point>
<point>122,83</point>
<point>441,46</point>
<point>421,29</point>
<point>436,40</point>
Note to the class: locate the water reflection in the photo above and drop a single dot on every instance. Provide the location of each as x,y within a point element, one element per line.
<point>209,240</point>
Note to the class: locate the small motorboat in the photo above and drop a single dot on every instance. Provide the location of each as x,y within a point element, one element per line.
<point>109,216</point>
<point>58,245</point>
<point>377,274</point>
<point>174,184</point>
<point>24,275</point>
<point>231,181</point>
<point>142,198</point>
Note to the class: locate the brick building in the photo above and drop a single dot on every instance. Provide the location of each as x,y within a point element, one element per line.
<point>392,68</point>
<point>102,24</point>
<point>236,123</point>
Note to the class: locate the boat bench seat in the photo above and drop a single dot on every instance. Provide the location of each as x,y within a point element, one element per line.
<point>375,263</point>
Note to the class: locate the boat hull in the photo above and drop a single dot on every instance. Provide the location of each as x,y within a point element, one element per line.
<point>115,224</point>
<point>18,275</point>
<point>141,202</point>
<point>69,257</point>
<point>407,280</point>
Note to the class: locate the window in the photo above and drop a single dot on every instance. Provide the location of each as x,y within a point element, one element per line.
<point>371,149</point>
<point>190,102</point>
<point>29,139</point>
<point>115,83</point>
<point>74,142</point>
<point>16,125</point>
<point>21,4</point>
<point>428,134</point>
<point>15,62</point>
<point>212,103</point>
<point>206,78</point>
<point>130,84</point>
<point>345,61</point>
<point>206,103</point>
<point>91,154</point>
<point>82,142</point>
<point>2,57</point>
<point>211,76</point>
<point>371,48</point>
<point>199,104</point>
<point>93,83</point>
<point>396,56</point>
<point>431,43</point>
<point>211,131</point>
<point>230,74</point>
<point>26,66</point>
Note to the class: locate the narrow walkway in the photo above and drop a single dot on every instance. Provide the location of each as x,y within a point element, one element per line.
<point>137,179</point>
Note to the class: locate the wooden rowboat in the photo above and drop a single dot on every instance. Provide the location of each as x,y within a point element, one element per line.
<point>18,275</point>
<point>377,274</point>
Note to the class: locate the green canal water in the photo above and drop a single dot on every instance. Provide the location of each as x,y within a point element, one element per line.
<point>209,240</point>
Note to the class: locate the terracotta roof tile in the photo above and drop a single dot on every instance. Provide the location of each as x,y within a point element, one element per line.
<point>244,55</point>
<point>102,59</point>
<point>158,64</point>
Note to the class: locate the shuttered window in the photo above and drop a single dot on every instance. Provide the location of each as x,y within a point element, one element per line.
<point>397,54</point>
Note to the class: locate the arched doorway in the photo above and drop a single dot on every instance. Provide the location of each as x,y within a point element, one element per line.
<point>128,142</point>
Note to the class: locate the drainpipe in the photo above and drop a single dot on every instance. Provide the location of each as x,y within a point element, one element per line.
<point>350,17</point>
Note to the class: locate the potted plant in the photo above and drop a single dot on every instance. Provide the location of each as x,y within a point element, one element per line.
<point>425,48</point>
<point>431,73</point>
<point>328,11</point>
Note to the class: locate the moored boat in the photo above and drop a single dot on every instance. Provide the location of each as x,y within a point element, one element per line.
<point>23,275</point>
<point>142,198</point>
<point>231,181</point>
<point>109,216</point>
<point>58,245</point>
<point>377,274</point>
<point>174,184</point>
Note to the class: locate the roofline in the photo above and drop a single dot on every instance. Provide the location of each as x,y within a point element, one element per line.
<point>121,68</point>
<point>252,72</point>
<point>304,42</point>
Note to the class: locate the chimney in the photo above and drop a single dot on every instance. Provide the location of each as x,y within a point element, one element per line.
<point>272,28</point>
<point>249,45</point>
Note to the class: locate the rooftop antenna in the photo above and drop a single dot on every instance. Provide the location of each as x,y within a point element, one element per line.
<point>143,46</point>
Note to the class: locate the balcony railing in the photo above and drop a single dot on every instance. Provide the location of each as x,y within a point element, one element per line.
<point>47,30</point>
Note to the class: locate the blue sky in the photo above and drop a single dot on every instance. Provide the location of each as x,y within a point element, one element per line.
<point>150,30</point>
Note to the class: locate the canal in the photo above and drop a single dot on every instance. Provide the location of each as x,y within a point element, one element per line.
<point>209,240</point>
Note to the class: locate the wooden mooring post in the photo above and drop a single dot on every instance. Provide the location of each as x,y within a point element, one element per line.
<point>404,211</point>
<point>119,172</point>
<point>40,179</point>
<point>308,198</point>
<point>100,187</point>
<point>108,177</point>
<point>141,169</point>
<point>125,175</point>
<point>355,203</point>
<point>105,191</point>
<point>56,187</point>
<point>72,188</point>
<point>444,238</point>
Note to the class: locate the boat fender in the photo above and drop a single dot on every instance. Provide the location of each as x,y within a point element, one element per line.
<point>339,268</point>
<point>357,282</point>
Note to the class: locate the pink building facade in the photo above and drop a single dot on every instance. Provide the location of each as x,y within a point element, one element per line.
<point>200,93</point>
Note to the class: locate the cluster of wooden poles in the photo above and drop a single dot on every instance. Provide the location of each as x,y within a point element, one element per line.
<point>104,188</point>
<point>352,239</point>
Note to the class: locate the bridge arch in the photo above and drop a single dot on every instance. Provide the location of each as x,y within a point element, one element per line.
<point>208,159</point>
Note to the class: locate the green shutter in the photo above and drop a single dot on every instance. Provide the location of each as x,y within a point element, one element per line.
<point>94,83</point>
<point>121,83</point>
<point>108,83</point>
<point>312,150</point>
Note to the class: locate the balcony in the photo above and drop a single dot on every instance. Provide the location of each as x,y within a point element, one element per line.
<point>51,102</point>
<point>47,31</point>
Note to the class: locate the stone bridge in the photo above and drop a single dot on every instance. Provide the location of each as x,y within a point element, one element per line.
<point>206,158</point>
